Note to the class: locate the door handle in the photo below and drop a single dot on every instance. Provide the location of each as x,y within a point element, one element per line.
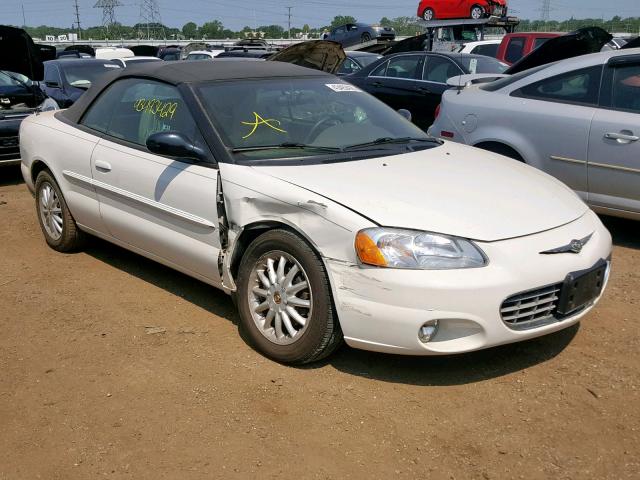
<point>103,166</point>
<point>622,137</point>
<point>377,84</point>
<point>423,89</point>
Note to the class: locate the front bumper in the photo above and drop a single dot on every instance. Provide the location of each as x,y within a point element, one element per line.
<point>383,309</point>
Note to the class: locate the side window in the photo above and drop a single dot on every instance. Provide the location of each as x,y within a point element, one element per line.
<point>51,75</point>
<point>626,88</point>
<point>490,50</point>
<point>348,67</point>
<point>405,66</point>
<point>380,71</point>
<point>539,42</point>
<point>133,109</point>
<point>515,50</point>
<point>578,87</point>
<point>440,69</point>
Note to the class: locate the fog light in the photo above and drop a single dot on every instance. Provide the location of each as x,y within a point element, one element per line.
<point>428,331</point>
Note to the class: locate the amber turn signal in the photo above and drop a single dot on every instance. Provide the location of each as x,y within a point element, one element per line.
<point>368,251</point>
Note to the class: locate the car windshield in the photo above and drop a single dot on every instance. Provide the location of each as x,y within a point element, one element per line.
<point>10,80</point>
<point>293,117</point>
<point>82,74</point>
<point>482,64</point>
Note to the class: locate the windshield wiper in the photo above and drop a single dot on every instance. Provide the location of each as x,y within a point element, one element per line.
<point>287,146</point>
<point>389,141</point>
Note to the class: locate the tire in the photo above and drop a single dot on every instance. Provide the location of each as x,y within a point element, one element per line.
<point>365,38</point>
<point>320,334</point>
<point>58,225</point>
<point>477,12</point>
<point>428,14</point>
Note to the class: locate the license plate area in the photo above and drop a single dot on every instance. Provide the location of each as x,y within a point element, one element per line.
<point>581,288</point>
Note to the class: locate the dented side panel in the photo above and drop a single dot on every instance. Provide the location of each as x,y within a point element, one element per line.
<point>252,197</point>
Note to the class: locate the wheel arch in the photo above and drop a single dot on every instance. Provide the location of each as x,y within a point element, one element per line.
<point>253,230</point>
<point>38,166</point>
<point>502,148</point>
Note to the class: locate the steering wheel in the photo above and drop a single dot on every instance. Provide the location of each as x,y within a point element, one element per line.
<point>315,130</point>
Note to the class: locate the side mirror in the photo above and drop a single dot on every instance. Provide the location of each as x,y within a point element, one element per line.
<point>405,113</point>
<point>175,144</point>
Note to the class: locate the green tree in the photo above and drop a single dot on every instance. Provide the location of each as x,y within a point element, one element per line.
<point>213,29</point>
<point>190,30</point>
<point>341,20</point>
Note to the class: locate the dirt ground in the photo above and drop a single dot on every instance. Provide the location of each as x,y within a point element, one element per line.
<point>87,389</point>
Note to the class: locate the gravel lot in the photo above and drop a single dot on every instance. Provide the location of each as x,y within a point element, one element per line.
<point>112,365</point>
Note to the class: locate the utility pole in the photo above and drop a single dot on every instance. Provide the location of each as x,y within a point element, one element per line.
<point>289,16</point>
<point>150,15</point>
<point>77,19</point>
<point>24,19</point>
<point>546,10</point>
<point>108,12</point>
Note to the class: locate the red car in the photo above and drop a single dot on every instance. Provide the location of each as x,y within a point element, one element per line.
<point>476,9</point>
<point>515,46</point>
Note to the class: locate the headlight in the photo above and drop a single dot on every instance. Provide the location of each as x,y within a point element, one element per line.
<point>397,248</point>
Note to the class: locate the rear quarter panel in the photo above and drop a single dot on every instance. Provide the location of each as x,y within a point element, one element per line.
<point>63,148</point>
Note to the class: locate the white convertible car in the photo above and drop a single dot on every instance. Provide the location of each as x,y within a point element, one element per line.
<point>325,213</point>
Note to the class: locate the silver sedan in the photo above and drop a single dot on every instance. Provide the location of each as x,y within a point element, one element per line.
<point>578,120</point>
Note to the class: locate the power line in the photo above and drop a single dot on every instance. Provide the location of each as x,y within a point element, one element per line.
<point>108,13</point>
<point>150,17</point>
<point>77,19</point>
<point>546,10</point>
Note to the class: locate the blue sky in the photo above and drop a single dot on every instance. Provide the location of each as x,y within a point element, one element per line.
<point>235,14</point>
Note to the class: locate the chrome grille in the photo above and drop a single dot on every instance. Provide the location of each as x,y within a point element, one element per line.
<point>532,308</point>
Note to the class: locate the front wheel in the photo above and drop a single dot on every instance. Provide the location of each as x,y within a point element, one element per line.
<point>365,38</point>
<point>284,300</point>
<point>477,12</point>
<point>57,224</point>
<point>428,14</point>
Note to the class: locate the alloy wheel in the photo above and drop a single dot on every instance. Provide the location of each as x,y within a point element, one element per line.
<point>280,298</point>
<point>51,211</point>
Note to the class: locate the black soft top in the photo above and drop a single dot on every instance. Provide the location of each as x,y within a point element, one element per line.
<point>177,73</point>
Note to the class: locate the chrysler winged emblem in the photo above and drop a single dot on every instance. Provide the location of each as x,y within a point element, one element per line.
<point>574,246</point>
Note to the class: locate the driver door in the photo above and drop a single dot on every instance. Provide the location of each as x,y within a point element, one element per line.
<point>163,207</point>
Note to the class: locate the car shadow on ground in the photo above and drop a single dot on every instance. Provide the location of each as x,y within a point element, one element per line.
<point>204,296</point>
<point>449,370</point>
<point>623,231</point>
<point>10,175</point>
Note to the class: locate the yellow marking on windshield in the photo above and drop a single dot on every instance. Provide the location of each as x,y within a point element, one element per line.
<point>269,122</point>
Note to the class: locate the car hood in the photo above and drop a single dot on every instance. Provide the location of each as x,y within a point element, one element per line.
<point>323,55</point>
<point>581,42</point>
<point>452,189</point>
<point>20,54</point>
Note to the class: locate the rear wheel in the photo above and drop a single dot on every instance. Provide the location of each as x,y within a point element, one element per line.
<point>428,14</point>
<point>284,300</point>
<point>57,224</point>
<point>477,12</point>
